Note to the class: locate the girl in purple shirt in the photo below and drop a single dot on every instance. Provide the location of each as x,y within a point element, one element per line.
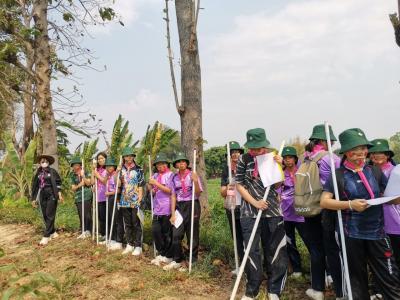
<point>159,185</point>
<point>381,156</point>
<point>99,177</point>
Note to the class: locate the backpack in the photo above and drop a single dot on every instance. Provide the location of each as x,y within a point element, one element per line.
<point>308,187</point>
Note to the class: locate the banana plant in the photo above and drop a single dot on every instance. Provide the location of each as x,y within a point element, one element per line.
<point>18,170</point>
<point>121,138</point>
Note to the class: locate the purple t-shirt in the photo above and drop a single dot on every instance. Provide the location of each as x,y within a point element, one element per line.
<point>111,183</point>
<point>177,183</point>
<point>162,200</point>
<point>101,187</point>
<point>287,199</point>
<point>391,212</point>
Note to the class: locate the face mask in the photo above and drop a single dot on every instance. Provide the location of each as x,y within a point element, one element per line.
<point>44,164</point>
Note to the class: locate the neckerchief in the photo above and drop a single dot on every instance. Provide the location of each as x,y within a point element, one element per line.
<point>99,170</point>
<point>42,176</point>
<point>252,154</point>
<point>182,179</point>
<point>129,167</point>
<point>317,148</point>
<point>386,165</point>
<point>159,178</point>
<point>360,173</point>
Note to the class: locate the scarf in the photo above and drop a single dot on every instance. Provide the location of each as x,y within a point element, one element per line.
<point>317,148</point>
<point>42,177</point>
<point>159,178</point>
<point>253,155</point>
<point>182,179</point>
<point>360,173</point>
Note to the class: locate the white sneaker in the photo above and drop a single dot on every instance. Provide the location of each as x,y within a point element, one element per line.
<point>376,297</point>
<point>53,235</point>
<point>316,295</point>
<point>328,281</point>
<point>44,241</point>
<point>81,236</point>
<point>156,261</point>
<point>165,260</point>
<point>244,297</point>
<point>127,250</point>
<point>172,265</point>
<point>296,275</point>
<point>87,234</point>
<point>137,251</point>
<point>273,297</point>
<point>116,246</point>
<point>234,272</point>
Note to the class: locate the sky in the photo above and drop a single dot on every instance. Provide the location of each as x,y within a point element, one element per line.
<point>281,65</point>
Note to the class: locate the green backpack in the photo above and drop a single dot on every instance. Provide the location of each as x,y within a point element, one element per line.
<point>308,187</point>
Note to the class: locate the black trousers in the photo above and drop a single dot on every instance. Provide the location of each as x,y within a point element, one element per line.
<point>293,253</point>
<point>87,214</point>
<point>118,229</point>
<point>162,235</point>
<point>395,241</point>
<point>335,261</point>
<point>238,227</point>
<point>102,218</point>
<point>185,209</point>
<point>132,225</point>
<point>48,206</point>
<point>315,238</point>
<point>271,232</point>
<point>379,256</point>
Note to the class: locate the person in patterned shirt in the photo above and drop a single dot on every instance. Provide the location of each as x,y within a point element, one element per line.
<point>270,230</point>
<point>132,182</point>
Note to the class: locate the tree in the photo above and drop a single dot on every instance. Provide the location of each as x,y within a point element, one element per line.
<point>215,159</point>
<point>395,20</point>
<point>395,145</point>
<point>190,106</point>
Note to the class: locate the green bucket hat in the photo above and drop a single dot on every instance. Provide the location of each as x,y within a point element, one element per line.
<point>289,151</point>
<point>161,157</point>
<point>110,161</point>
<point>75,160</point>
<point>256,138</point>
<point>180,156</point>
<point>380,145</point>
<point>352,138</point>
<point>128,151</point>
<point>318,133</point>
<point>233,145</point>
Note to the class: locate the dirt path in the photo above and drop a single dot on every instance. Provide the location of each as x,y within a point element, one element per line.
<point>80,270</point>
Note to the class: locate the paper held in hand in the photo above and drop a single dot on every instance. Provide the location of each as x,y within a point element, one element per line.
<point>381,200</point>
<point>178,219</point>
<point>269,170</point>
<point>392,190</point>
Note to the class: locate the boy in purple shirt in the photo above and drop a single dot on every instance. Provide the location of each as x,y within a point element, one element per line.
<point>182,184</point>
<point>159,185</point>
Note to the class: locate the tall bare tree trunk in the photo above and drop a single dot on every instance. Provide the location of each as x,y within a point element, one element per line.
<point>191,112</point>
<point>28,85</point>
<point>43,73</point>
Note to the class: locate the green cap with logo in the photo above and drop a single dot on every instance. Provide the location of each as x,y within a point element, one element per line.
<point>180,156</point>
<point>233,145</point>
<point>75,160</point>
<point>318,133</point>
<point>380,145</point>
<point>128,151</point>
<point>352,138</point>
<point>161,157</point>
<point>289,151</point>
<point>110,161</point>
<point>256,138</point>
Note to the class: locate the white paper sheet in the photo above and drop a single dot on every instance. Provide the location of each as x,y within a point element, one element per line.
<point>382,200</point>
<point>269,170</point>
<point>178,219</point>
<point>393,186</point>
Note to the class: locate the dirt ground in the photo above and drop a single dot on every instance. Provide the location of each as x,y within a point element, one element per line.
<point>68,268</point>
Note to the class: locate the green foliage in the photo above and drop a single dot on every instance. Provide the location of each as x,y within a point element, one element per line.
<point>157,138</point>
<point>215,160</point>
<point>107,13</point>
<point>18,172</point>
<point>89,149</point>
<point>395,146</point>
<point>121,138</point>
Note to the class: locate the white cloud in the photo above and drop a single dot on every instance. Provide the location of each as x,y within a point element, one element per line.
<point>318,59</point>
